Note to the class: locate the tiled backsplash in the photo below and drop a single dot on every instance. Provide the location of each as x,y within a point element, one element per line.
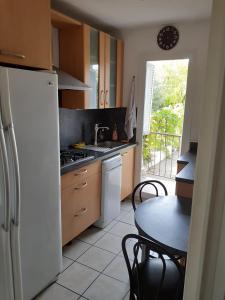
<point>78,125</point>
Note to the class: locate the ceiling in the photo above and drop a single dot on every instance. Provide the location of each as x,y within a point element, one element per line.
<point>120,14</point>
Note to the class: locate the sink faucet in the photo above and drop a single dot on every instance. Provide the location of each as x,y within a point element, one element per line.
<point>97,127</point>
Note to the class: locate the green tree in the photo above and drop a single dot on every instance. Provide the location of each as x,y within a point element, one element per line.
<point>169,95</point>
<point>169,85</point>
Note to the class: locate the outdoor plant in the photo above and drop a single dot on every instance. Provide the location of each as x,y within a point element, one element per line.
<point>167,111</point>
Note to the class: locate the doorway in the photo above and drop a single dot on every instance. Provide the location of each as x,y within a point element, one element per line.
<point>165,95</point>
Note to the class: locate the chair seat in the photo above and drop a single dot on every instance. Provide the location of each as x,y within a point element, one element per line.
<point>150,272</point>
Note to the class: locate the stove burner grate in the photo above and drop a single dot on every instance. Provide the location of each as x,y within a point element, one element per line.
<point>68,157</point>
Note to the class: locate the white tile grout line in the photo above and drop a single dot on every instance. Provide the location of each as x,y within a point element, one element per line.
<point>91,245</point>
<point>70,290</point>
<point>100,273</point>
<point>117,254</point>
<point>76,238</point>
<point>94,244</point>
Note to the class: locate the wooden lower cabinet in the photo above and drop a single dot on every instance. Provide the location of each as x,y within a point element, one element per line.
<point>127,183</point>
<point>80,202</point>
<point>80,175</point>
<point>180,166</point>
<point>184,189</point>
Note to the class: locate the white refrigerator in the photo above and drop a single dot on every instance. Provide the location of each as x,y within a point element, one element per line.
<point>30,228</point>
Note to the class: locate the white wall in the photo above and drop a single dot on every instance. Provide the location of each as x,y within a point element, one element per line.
<point>141,45</point>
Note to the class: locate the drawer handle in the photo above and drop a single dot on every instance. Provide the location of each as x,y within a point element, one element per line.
<point>81,173</point>
<point>82,186</point>
<point>13,54</point>
<point>81,212</point>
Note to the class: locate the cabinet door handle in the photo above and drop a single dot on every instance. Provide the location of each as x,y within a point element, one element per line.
<point>106,98</point>
<point>124,154</point>
<point>102,98</point>
<point>81,173</point>
<point>81,212</point>
<point>13,54</point>
<point>82,186</point>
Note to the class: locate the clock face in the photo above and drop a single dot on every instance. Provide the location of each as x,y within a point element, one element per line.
<point>168,37</point>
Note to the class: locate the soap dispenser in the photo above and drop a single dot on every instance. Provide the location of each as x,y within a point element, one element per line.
<point>115,134</point>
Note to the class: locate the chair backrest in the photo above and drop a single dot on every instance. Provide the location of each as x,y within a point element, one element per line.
<point>152,183</point>
<point>135,262</point>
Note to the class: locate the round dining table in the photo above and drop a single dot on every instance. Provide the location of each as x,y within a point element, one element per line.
<point>165,220</point>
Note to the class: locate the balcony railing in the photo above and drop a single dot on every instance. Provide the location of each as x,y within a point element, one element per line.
<point>160,154</point>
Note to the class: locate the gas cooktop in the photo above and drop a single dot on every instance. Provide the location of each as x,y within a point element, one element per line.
<point>73,157</point>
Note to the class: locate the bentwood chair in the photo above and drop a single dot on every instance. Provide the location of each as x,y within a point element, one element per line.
<point>156,186</point>
<point>154,278</point>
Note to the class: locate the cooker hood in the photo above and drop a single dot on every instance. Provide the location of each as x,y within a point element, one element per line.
<point>68,82</point>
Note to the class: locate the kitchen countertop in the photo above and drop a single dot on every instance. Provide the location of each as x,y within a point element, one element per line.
<point>187,174</point>
<point>97,156</point>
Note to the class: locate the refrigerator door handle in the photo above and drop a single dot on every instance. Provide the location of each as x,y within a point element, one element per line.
<point>6,225</point>
<point>7,123</point>
<point>16,219</point>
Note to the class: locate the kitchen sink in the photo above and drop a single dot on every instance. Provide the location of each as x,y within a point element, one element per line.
<point>110,144</point>
<point>104,146</point>
<point>97,148</point>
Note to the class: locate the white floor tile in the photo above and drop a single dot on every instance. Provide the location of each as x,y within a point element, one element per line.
<point>121,229</point>
<point>91,235</point>
<point>77,277</point>
<point>130,252</point>
<point>110,225</point>
<point>110,242</point>
<point>118,269</point>
<point>75,250</point>
<point>122,214</point>
<point>126,205</point>
<point>66,262</point>
<point>57,292</point>
<point>106,288</point>
<point>96,258</point>
<point>127,217</point>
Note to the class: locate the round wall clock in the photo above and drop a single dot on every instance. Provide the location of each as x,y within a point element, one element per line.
<point>168,37</point>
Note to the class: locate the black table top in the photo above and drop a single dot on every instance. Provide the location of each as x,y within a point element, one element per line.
<point>187,174</point>
<point>165,220</point>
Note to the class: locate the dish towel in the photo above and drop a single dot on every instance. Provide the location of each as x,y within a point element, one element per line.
<point>130,119</point>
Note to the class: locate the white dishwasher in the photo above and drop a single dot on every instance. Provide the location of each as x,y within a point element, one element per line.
<point>111,190</point>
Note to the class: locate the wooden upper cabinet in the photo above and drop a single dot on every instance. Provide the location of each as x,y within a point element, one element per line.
<point>95,58</point>
<point>101,88</point>
<point>25,36</point>
<point>113,71</point>
<point>119,73</point>
<point>108,89</point>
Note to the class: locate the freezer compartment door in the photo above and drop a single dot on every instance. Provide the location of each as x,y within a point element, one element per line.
<point>6,279</point>
<point>34,112</point>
